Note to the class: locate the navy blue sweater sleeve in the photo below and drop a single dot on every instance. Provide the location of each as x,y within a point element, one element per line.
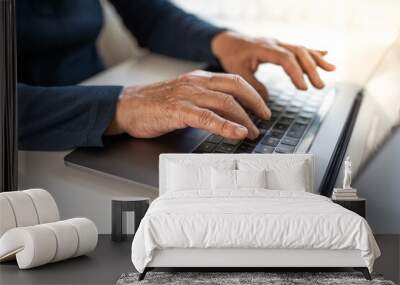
<point>166,29</point>
<point>58,118</point>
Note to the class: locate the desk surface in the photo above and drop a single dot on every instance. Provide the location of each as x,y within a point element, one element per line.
<point>110,260</point>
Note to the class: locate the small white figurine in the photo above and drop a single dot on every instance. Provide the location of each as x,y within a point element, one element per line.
<point>347,174</point>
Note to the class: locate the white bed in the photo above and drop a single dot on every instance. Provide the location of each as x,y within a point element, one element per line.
<point>248,227</point>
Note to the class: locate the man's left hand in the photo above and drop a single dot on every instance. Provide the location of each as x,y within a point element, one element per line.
<point>241,55</point>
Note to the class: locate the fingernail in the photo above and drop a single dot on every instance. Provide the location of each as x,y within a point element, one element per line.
<point>255,132</point>
<point>241,131</point>
<point>267,114</point>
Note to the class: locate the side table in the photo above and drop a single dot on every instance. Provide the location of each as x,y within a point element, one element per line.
<point>138,205</point>
<point>358,206</point>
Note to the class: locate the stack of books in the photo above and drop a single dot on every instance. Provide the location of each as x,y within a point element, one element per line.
<point>344,194</point>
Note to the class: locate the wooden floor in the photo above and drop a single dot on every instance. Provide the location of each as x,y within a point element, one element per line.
<point>110,260</point>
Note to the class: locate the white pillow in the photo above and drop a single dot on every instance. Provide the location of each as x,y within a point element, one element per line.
<point>223,179</point>
<point>185,173</point>
<point>230,180</point>
<point>295,180</point>
<point>182,177</point>
<point>284,172</point>
<point>251,178</point>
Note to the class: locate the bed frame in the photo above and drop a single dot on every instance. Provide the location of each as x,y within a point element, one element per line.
<point>248,259</point>
<point>260,259</point>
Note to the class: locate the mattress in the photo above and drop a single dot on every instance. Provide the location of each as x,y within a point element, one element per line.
<point>251,219</point>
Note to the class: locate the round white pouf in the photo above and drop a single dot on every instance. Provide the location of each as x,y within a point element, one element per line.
<point>87,233</point>
<point>23,208</point>
<point>33,246</point>
<point>46,207</point>
<point>40,244</point>
<point>6,216</point>
<point>67,240</point>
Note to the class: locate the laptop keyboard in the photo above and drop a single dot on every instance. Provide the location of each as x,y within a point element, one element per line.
<point>292,116</point>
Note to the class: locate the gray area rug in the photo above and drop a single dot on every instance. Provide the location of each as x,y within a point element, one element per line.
<point>232,278</point>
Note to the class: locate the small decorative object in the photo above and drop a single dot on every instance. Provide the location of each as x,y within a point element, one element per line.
<point>347,192</point>
<point>122,208</point>
<point>347,174</point>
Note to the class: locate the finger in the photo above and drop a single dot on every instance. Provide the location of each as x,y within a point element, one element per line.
<point>227,106</point>
<point>321,52</point>
<point>286,59</point>
<point>309,66</point>
<point>321,62</point>
<point>254,64</point>
<point>236,86</point>
<point>249,76</point>
<point>196,117</point>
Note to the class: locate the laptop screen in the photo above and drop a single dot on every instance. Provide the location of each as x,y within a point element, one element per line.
<point>379,114</point>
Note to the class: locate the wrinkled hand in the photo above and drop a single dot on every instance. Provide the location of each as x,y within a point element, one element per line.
<point>204,100</point>
<point>241,55</point>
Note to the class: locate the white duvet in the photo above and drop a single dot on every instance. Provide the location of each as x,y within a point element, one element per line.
<point>252,218</point>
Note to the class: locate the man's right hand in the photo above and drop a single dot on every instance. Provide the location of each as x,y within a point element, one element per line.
<point>210,101</point>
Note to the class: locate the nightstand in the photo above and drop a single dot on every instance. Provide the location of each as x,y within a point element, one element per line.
<point>358,206</point>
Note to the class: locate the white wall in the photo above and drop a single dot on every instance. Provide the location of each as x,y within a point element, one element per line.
<point>362,16</point>
<point>380,185</point>
<point>346,14</point>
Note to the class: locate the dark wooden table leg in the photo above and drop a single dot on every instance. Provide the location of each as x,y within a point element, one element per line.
<point>116,221</point>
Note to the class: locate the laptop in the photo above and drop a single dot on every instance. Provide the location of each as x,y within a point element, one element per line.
<point>315,121</point>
